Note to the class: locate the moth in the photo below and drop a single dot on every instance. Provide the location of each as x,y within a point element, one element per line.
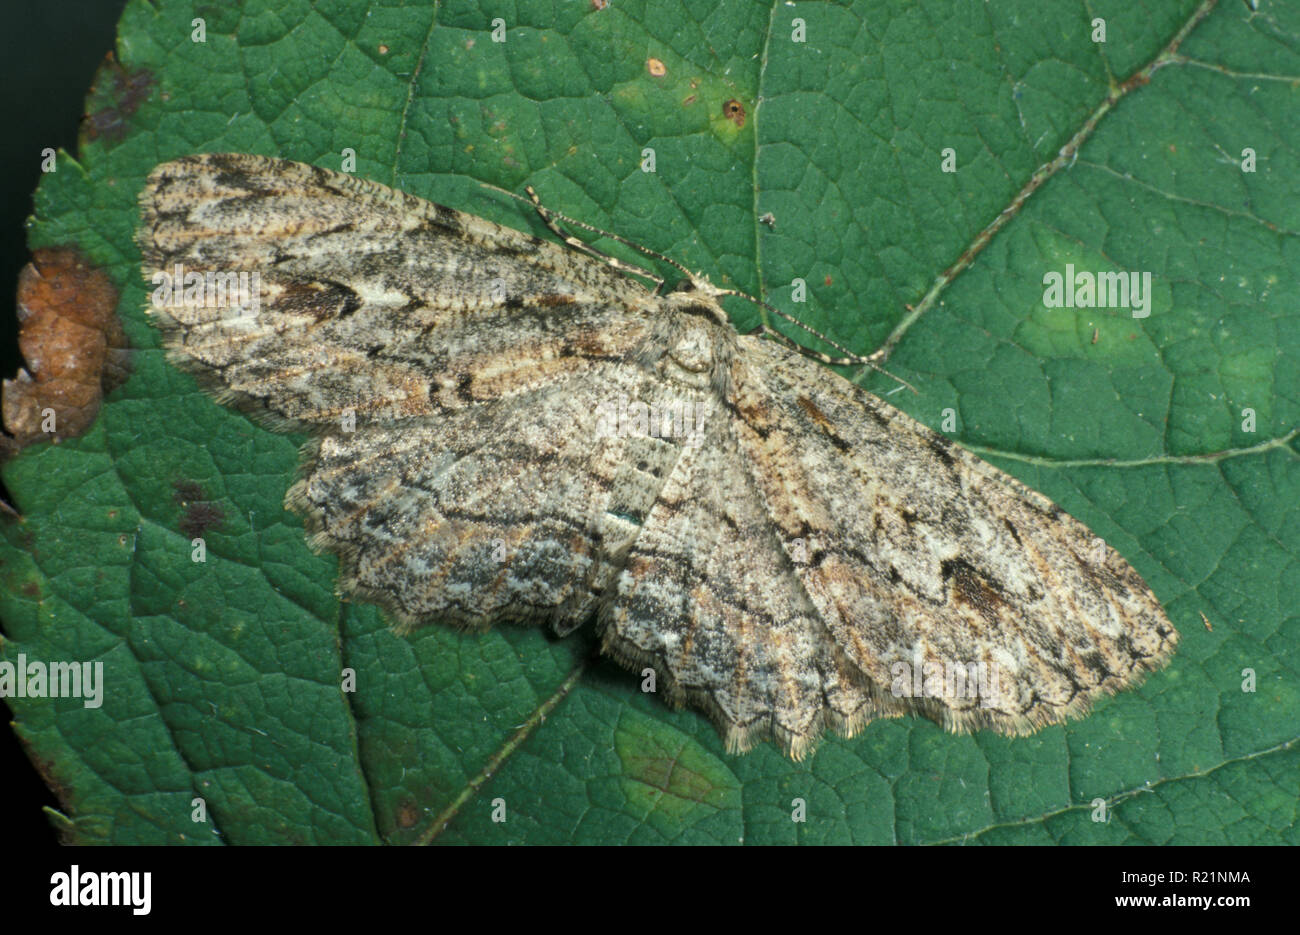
<point>507,429</point>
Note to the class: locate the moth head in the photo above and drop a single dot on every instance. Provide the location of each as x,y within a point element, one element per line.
<point>698,296</point>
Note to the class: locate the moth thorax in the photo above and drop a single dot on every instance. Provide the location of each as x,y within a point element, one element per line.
<point>693,350</point>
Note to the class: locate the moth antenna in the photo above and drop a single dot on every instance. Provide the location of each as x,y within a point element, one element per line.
<point>550,216</point>
<point>548,213</point>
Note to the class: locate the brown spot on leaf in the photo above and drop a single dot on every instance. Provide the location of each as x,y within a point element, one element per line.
<point>656,68</point>
<point>599,4</point>
<point>73,344</point>
<point>383,50</point>
<point>407,814</point>
<point>187,490</point>
<point>49,771</point>
<point>199,514</point>
<point>667,775</point>
<point>115,95</point>
<point>734,111</point>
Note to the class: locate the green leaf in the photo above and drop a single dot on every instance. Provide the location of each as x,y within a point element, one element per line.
<point>223,678</point>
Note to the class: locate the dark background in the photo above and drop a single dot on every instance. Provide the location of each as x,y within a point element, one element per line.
<point>49,51</point>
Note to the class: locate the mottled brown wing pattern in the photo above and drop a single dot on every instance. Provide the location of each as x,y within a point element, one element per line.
<point>922,558</point>
<point>469,517</point>
<point>710,601</point>
<point>369,299</point>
